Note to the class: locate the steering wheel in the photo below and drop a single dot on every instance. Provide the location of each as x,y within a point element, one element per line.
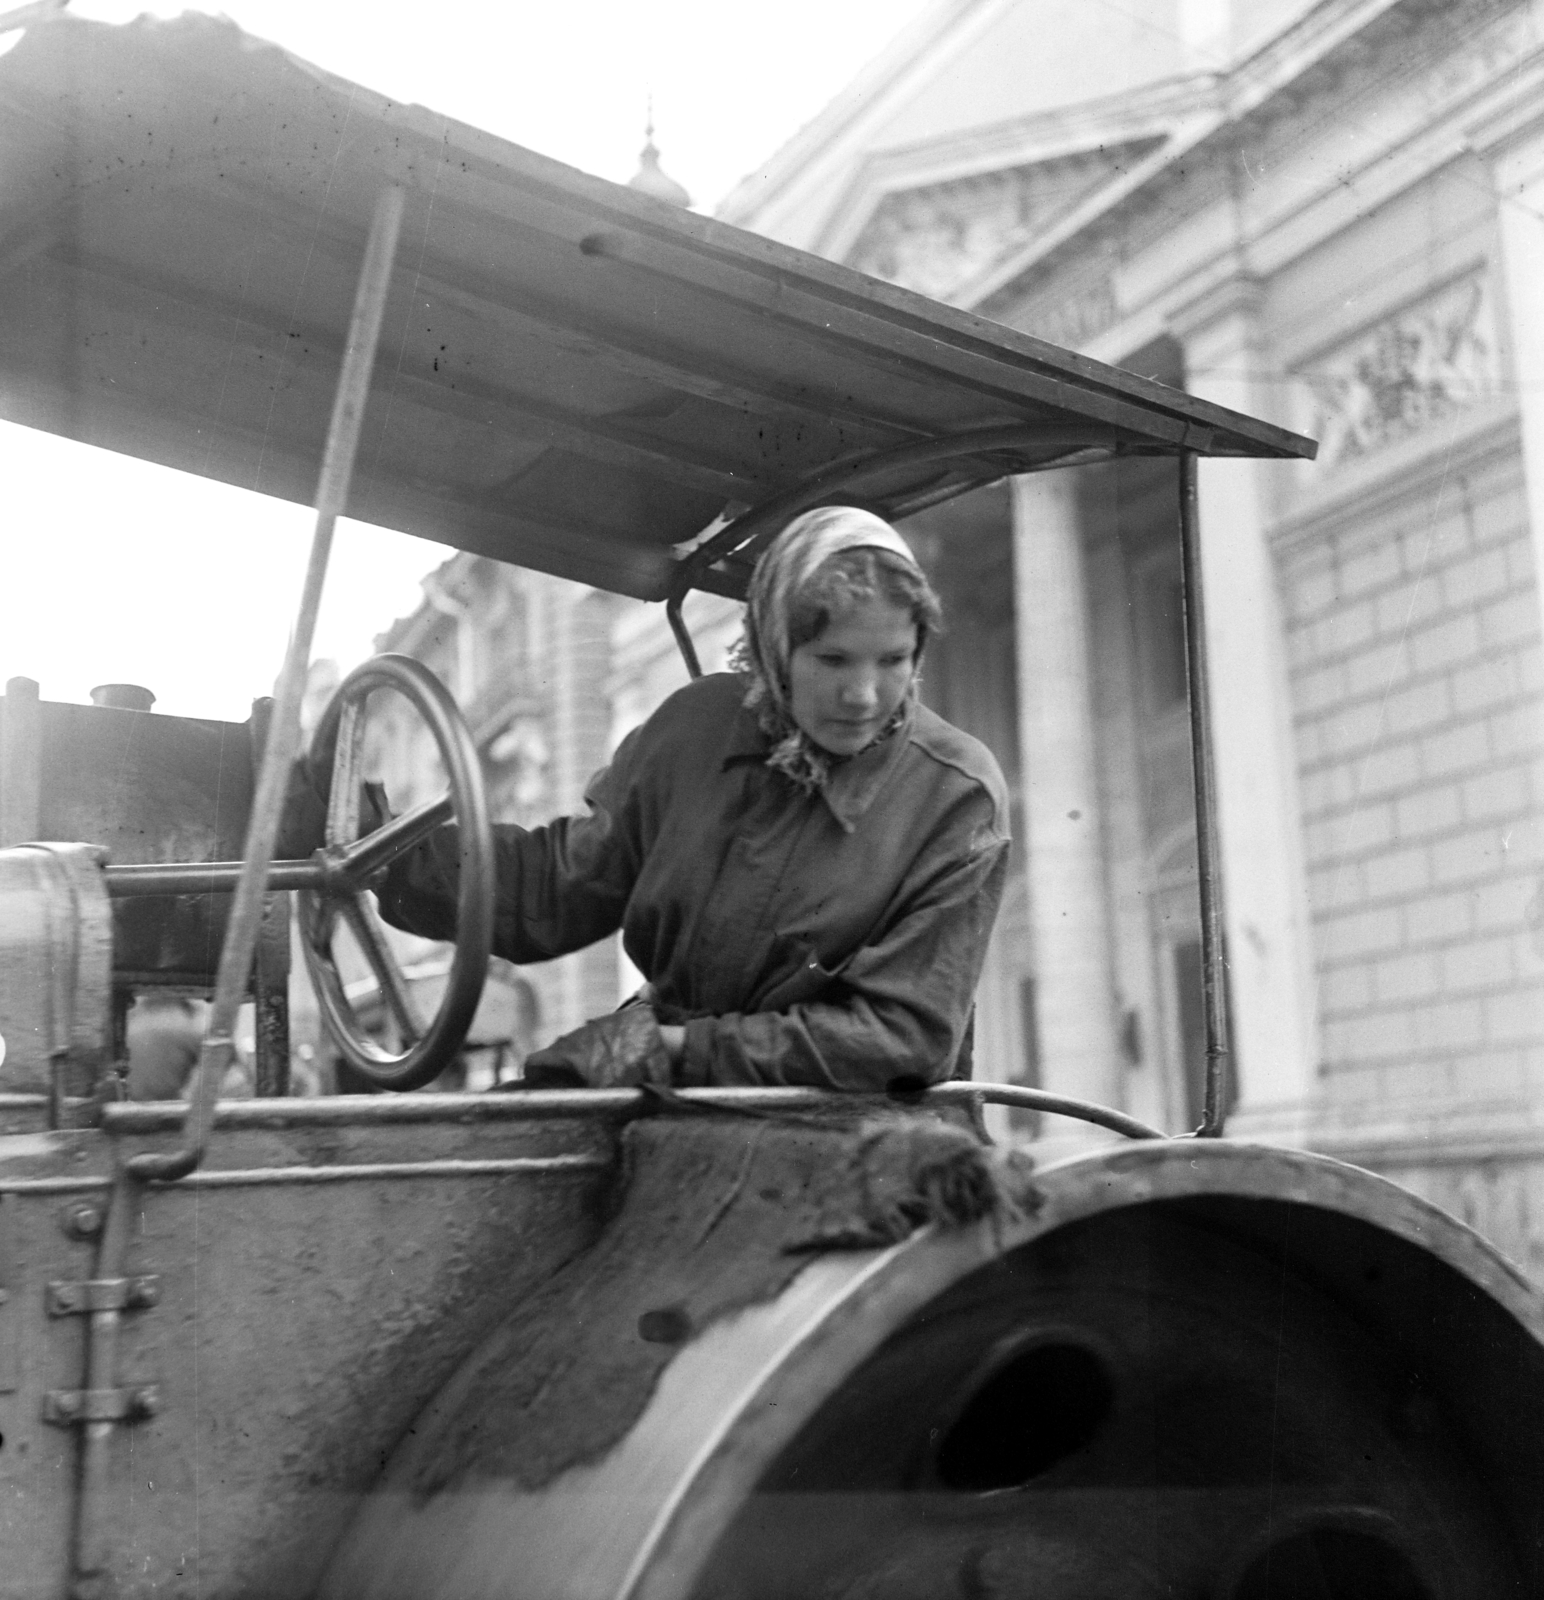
<point>351,862</point>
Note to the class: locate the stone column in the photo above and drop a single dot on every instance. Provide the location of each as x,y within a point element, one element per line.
<point>1069,914</point>
<point>579,644</point>
<point>1265,898</point>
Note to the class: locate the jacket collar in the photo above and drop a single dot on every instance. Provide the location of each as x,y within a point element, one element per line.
<point>855,783</point>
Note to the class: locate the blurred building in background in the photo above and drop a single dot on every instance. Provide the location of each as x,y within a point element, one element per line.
<point>1330,215</point>
<point>528,658</point>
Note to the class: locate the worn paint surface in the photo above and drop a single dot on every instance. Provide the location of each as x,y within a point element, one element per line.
<point>793,1447</point>
<point>37,1353</point>
<point>1496,1188</point>
<point>299,1329</point>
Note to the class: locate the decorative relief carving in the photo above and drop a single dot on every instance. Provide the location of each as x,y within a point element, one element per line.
<point>1425,363</point>
<point>1475,54</point>
<point>938,237</point>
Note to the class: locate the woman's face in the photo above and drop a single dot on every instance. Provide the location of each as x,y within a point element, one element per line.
<point>845,685</point>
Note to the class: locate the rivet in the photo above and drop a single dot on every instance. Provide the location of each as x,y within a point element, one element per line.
<point>83,1221</point>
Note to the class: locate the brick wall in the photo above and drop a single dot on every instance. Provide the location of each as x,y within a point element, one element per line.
<point>1413,634</point>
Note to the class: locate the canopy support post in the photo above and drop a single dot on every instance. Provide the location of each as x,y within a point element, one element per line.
<point>683,637</point>
<point>1214,983</point>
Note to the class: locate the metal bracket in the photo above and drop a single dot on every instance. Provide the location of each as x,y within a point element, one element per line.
<point>66,1407</point>
<point>103,1294</point>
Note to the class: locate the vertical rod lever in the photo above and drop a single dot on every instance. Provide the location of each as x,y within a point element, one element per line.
<point>683,637</point>
<point>1214,987</point>
<point>284,727</point>
<point>89,1553</point>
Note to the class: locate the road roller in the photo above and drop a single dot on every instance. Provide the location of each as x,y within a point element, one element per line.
<point>607,1344</point>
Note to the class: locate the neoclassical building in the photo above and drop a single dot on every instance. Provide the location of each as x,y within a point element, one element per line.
<point>1330,215</point>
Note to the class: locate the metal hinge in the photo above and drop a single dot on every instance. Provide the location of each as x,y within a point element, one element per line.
<point>102,1294</point>
<point>66,1407</point>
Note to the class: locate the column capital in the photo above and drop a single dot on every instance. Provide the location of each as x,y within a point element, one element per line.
<point>1509,133</point>
<point>1069,913</point>
<point>1239,296</point>
<point>1227,349</point>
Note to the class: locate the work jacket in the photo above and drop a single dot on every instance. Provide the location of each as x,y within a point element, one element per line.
<point>833,938</point>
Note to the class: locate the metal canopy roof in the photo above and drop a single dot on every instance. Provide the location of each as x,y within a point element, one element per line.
<point>571,376</point>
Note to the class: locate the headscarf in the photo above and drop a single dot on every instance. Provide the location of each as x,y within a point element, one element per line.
<point>765,653</point>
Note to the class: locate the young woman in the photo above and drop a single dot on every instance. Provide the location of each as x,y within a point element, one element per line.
<point>805,862</point>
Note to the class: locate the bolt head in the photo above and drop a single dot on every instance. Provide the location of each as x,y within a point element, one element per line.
<point>84,1220</point>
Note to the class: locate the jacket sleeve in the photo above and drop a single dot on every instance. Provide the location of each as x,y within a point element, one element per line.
<point>900,1008</point>
<point>560,887</point>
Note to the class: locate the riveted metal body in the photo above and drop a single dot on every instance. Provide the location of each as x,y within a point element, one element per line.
<point>279,1326</point>
<point>103,1294</point>
<point>309,1406</point>
<point>68,1406</point>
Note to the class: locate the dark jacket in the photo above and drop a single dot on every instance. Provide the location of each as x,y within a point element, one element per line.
<point>832,939</point>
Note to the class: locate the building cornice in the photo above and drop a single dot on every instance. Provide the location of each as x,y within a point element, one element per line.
<point>1399,1133</point>
<point>1152,112</point>
<point>917,54</point>
<point>1301,62</point>
<point>1239,293</point>
<point>1511,118</point>
<point>1450,103</point>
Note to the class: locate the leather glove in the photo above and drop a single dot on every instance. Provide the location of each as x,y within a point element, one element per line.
<point>303,823</point>
<point>616,1051</point>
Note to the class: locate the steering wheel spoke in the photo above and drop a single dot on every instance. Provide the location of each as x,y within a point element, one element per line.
<point>378,850</point>
<point>426,1047</point>
<point>363,923</point>
<point>343,796</point>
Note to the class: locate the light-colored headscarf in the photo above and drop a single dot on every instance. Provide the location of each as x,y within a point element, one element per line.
<point>765,653</point>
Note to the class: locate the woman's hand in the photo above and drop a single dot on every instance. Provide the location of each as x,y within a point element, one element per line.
<point>623,1048</point>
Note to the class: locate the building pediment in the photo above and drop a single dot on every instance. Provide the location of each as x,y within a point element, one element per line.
<point>938,237</point>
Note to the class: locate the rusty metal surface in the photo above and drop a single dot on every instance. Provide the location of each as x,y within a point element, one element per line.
<point>296,1333</point>
<point>1399,1335</point>
<point>587,377</point>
